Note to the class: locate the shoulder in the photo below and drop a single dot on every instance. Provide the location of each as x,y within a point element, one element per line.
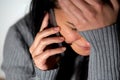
<point>16,56</point>
<point>21,30</point>
<point>16,46</point>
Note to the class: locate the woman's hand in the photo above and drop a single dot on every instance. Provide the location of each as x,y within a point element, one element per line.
<point>43,58</point>
<point>90,14</point>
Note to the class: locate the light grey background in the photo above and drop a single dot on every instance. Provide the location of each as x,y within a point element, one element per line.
<point>10,12</point>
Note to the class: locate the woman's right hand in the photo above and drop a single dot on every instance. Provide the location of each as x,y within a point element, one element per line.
<point>43,58</point>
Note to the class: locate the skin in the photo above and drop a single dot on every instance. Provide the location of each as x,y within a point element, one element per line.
<point>78,43</point>
<point>90,14</point>
<point>73,11</point>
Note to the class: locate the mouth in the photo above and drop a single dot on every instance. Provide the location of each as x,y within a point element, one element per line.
<point>83,47</point>
<point>81,50</point>
<point>83,44</point>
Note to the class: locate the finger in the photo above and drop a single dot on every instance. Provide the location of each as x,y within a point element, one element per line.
<point>44,42</point>
<point>95,3</point>
<point>51,52</point>
<point>65,7</point>
<point>45,22</point>
<point>115,4</point>
<point>87,10</point>
<point>74,13</point>
<point>41,59</point>
<point>82,5</point>
<point>43,34</point>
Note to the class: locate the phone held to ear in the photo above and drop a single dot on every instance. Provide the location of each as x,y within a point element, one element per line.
<point>53,23</point>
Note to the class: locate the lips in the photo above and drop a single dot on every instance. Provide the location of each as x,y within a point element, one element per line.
<point>82,43</point>
<point>80,49</point>
<point>83,47</point>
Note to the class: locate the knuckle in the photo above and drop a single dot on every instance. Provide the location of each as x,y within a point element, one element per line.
<point>38,34</point>
<point>31,50</point>
<point>35,53</point>
<point>33,56</point>
<point>99,5</point>
<point>54,29</point>
<point>42,41</point>
<point>39,63</point>
<point>44,56</point>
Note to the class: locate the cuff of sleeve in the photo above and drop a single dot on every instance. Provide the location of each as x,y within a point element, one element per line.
<point>46,75</point>
<point>104,56</point>
<point>104,35</point>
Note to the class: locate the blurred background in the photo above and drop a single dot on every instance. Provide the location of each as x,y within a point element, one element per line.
<point>10,12</point>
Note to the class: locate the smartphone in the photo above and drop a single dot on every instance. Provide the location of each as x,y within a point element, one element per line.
<point>53,23</point>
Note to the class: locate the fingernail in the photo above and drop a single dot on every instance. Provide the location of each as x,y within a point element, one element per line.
<point>61,38</point>
<point>63,48</point>
<point>56,28</point>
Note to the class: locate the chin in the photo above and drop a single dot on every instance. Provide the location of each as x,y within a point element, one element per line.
<point>83,51</point>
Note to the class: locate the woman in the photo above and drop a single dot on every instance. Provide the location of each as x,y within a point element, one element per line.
<point>86,27</point>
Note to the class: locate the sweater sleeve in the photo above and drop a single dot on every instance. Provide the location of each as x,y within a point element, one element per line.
<point>17,62</point>
<point>104,63</point>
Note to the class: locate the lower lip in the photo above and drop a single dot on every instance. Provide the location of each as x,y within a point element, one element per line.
<point>83,47</point>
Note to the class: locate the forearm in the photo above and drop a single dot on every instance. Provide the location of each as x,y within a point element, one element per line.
<point>104,56</point>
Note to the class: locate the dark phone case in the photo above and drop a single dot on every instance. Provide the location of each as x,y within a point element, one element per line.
<point>53,23</point>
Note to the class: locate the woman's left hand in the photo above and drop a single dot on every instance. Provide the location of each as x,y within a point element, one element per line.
<point>90,14</point>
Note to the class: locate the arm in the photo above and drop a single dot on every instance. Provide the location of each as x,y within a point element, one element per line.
<point>17,61</point>
<point>105,53</point>
<point>91,14</point>
<point>104,38</point>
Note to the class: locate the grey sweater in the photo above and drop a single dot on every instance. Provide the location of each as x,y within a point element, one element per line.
<point>104,63</point>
